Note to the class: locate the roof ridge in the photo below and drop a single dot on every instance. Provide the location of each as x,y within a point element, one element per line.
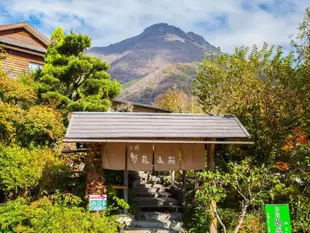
<point>156,113</point>
<point>29,28</point>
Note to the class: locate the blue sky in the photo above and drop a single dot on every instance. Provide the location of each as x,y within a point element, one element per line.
<point>224,23</point>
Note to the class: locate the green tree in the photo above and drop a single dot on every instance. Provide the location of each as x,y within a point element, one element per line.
<point>255,87</point>
<point>253,186</point>
<point>72,80</point>
<point>270,95</point>
<point>301,43</point>
<point>302,40</point>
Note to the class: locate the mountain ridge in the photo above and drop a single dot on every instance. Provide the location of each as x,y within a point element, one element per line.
<point>156,47</point>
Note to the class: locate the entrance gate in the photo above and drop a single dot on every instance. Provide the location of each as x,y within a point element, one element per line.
<point>151,141</point>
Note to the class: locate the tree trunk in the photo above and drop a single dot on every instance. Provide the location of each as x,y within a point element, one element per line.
<point>244,209</point>
<point>213,203</point>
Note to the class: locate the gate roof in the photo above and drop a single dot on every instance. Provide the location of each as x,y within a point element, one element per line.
<point>128,125</point>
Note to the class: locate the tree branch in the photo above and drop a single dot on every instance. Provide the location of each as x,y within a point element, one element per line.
<point>244,210</point>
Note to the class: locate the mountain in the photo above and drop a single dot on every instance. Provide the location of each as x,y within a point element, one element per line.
<point>153,58</point>
<point>145,90</point>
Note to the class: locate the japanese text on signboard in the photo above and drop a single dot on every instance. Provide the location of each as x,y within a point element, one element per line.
<point>278,219</point>
<point>97,202</point>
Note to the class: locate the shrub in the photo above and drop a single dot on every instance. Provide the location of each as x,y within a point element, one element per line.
<point>61,214</point>
<point>22,169</point>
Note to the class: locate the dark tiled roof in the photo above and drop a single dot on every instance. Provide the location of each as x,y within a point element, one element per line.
<point>114,125</point>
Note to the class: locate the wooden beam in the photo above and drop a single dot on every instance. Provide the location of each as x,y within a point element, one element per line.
<point>211,167</point>
<point>210,157</point>
<point>126,181</point>
<point>86,140</point>
<point>119,187</point>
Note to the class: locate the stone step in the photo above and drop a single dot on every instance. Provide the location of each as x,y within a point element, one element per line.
<point>148,230</point>
<point>152,193</point>
<point>151,189</point>
<point>158,186</point>
<point>160,216</point>
<point>166,224</point>
<point>155,179</point>
<point>139,184</point>
<point>143,175</point>
<point>156,201</point>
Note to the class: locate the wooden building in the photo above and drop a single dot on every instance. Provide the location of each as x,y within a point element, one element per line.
<point>25,48</point>
<point>136,107</point>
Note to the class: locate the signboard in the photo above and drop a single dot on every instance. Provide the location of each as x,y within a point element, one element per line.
<point>140,157</point>
<point>278,218</point>
<point>97,202</point>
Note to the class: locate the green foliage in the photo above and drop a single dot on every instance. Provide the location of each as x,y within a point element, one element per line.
<point>115,204</point>
<point>16,92</point>
<point>255,87</point>
<point>21,120</point>
<point>33,109</point>
<point>73,80</point>
<point>22,169</point>
<point>302,40</point>
<point>270,95</point>
<point>252,185</point>
<point>61,213</point>
<point>300,211</point>
<point>196,216</point>
<point>39,125</point>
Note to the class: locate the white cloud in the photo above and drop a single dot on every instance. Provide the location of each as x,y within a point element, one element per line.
<point>225,23</point>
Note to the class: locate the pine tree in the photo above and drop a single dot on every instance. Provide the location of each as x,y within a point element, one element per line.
<point>73,80</point>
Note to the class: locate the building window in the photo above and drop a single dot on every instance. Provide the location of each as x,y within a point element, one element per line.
<point>35,66</point>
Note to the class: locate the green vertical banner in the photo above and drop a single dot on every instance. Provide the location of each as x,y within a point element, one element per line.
<point>278,218</point>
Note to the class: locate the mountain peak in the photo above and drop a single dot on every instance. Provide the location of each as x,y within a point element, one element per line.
<point>162,29</point>
<point>157,46</point>
<point>196,37</point>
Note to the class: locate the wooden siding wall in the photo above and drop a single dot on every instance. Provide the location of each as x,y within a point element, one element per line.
<point>18,62</point>
<point>23,36</point>
<point>144,109</point>
<point>138,108</point>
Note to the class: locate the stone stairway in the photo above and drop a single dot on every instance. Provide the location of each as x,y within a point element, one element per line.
<point>156,209</point>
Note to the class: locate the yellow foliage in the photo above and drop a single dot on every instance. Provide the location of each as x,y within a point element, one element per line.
<point>177,101</point>
<point>15,92</point>
<point>9,114</point>
<point>47,118</point>
<point>253,224</point>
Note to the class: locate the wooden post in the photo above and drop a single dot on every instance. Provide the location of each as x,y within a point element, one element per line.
<point>126,181</point>
<point>211,167</point>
